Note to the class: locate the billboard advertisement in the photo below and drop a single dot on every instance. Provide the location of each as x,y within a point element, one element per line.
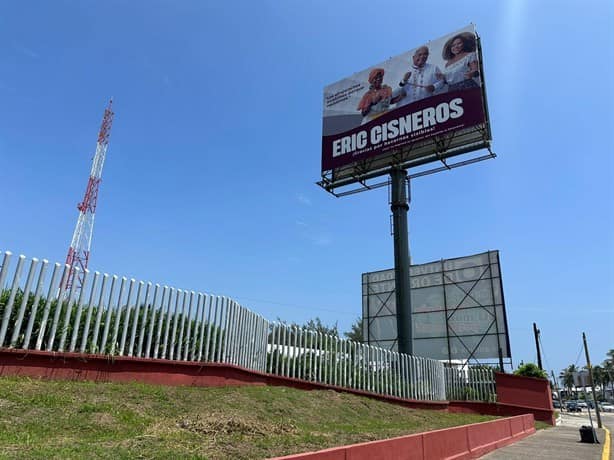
<point>426,102</point>
<point>458,309</point>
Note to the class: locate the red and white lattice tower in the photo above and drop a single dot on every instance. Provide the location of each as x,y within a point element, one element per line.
<point>79,250</point>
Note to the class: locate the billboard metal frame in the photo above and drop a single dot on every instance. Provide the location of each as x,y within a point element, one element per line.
<point>361,175</point>
<point>500,329</point>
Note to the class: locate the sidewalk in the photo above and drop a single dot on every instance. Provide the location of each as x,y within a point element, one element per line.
<point>560,442</point>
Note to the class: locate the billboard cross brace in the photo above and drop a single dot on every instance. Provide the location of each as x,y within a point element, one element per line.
<point>399,207</point>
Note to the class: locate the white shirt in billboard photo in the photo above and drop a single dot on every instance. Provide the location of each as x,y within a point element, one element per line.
<point>461,68</point>
<point>421,81</point>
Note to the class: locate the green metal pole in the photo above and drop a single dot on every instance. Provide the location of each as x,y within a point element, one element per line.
<point>399,206</point>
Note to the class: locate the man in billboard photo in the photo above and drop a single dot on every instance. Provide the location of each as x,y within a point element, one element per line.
<point>376,100</point>
<point>461,69</point>
<point>422,80</point>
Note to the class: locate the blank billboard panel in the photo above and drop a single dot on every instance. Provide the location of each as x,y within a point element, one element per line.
<point>458,310</point>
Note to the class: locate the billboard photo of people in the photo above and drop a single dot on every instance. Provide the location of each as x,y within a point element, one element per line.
<point>433,89</point>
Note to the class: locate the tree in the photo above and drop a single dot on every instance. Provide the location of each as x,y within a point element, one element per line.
<point>566,377</point>
<point>314,324</point>
<point>531,370</point>
<point>355,333</point>
<point>599,379</point>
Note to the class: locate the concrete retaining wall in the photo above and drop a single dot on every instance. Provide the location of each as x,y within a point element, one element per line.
<point>463,442</point>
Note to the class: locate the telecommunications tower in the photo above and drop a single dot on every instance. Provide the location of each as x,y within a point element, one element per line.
<point>79,250</point>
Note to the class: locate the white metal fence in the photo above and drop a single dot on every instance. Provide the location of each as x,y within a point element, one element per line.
<point>474,384</point>
<point>116,316</point>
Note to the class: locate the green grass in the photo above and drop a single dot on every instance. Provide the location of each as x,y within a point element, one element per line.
<point>59,419</point>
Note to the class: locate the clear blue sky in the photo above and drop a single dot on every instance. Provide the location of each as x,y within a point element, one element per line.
<point>209,179</point>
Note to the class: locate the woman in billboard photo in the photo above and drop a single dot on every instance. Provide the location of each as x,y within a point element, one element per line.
<point>461,69</point>
<point>376,101</point>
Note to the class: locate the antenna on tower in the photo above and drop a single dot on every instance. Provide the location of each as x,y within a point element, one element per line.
<point>79,250</point>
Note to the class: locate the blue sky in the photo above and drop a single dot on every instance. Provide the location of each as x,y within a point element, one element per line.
<point>215,149</point>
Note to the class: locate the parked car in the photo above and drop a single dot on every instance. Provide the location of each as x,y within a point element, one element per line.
<point>573,407</point>
<point>607,407</point>
<point>556,404</point>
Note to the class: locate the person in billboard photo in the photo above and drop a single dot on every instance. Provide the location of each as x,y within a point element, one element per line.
<point>376,100</point>
<point>421,81</point>
<point>461,69</point>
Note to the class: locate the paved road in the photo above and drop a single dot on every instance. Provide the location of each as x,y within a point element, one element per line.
<point>561,442</point>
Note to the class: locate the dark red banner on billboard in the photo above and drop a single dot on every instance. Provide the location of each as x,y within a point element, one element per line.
<point>399,128</point>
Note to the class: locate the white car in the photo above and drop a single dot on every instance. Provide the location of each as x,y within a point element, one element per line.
<point>607,407</point>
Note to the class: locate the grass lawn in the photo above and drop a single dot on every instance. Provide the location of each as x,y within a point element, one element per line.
<point>59,419</point>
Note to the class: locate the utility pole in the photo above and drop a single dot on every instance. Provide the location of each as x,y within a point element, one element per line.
<point>590,376</point>
<point>558,392</point>
<point>539,354</point>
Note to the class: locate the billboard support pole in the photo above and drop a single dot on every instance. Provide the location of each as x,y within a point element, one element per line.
<point>399,206</point>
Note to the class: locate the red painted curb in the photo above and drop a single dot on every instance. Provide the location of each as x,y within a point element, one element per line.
<point>458,443</point>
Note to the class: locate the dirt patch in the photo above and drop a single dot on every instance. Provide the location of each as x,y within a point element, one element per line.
<point>221,424</point>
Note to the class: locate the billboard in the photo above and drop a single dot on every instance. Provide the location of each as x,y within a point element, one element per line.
<point>424,105</point>
<point>458,309</point>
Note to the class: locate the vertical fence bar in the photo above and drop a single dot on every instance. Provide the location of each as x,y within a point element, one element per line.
<point>5,267</point>
<point>181,326</point>
<point>142,318</point>
<point>168,321</point>
<point>260,345</point>
<point>176,313</point>
<point>278,349</point>
<point>206,316</point>
<point>58,308</point>
<point>256,356</point>
<point>288,363</point>
<point>48,303</point>
<point>239,333</point>
<point>118,313</point>
<point>300,350</point>
<point>122,343</point>
<point>161,320</point>
<point>321,356</point>
<point>216,330</point>
<point>24,301</point>
<point>109,314</point>
<point>296,352</point>
<point>229,340</point>
<point>152,321</point>
<point>245,337</point>
<point>88,318</point>
<point>135,318</point>
<point>188,334</point>
<point>99,308</point>
<point>39,288</point>
<point>265,340</point>
<point>8,308</point>
<point>77,323</point>
<point>232,331</point>
<point>223,328</point>
<point>200,326</point>
<point>270,347</point>
<point>69,305</point>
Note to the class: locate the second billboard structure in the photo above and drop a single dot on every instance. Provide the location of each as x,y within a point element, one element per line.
<point>421,106</point>
<point>458,309</point>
